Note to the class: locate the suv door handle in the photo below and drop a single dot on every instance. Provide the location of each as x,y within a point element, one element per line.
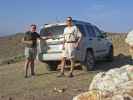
<point>90,39</point>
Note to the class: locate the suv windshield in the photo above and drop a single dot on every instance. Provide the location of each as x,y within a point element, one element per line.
<point>54,30</point>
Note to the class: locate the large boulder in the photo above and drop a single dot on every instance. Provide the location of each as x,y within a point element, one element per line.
<point>116,84</point>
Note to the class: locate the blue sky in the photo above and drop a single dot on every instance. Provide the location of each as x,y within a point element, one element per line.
<point>109,15</point>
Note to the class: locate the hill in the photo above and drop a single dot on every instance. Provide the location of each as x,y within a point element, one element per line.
<point>11,47</point>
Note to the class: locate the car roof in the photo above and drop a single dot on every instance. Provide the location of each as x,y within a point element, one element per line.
<point>64,23</point>
<point>81,22</point>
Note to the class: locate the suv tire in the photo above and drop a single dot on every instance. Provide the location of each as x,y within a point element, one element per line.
<point>89,63</point>
<point>110,55</point>
<point>52,65</point>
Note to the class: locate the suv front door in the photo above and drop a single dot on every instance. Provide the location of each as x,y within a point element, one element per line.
<point>101,42</point>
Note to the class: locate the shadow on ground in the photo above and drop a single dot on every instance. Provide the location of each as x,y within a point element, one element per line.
<point>118,61</point>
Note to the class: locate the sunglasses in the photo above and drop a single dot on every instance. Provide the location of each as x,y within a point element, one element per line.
<point>69,20</point>
<point>34,28</point>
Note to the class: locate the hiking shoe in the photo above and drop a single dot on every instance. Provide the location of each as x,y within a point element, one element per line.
<point>33,74</point>
<point>61,75</point>
<point>25,76</point>
<point>70,75</point>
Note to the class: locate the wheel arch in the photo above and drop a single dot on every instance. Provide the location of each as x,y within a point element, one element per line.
<point>111,47</point>
<point>87,49</point>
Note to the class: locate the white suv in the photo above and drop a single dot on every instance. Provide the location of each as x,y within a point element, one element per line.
<point>94,45</point>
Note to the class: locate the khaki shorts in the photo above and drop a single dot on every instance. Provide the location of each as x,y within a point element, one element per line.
<point>69,50</point>
<point>30,53</point>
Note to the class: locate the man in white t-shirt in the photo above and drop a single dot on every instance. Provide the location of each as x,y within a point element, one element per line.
<point>129,41</point>
<point>72,37</point>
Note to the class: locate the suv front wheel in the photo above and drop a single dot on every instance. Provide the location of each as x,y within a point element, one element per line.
<point>89,61</point>
<point>110,55</point>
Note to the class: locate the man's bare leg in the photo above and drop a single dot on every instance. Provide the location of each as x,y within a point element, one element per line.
<point>27,67</point>
<point>32,65</point>
<point>72,67</point>
<point>63,65</point>
<point>63,62</point>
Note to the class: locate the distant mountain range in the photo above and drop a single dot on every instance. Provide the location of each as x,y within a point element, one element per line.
<point>7,35</point>
<point>11,45</point>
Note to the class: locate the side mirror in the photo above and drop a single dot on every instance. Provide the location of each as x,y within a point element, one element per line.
<point>101,36</point>
<point>104,34</point>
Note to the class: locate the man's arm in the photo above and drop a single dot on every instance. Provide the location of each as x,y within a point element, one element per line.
<point>79,37</point>
<point>64,40</point>
<point>45,38</point>
<point>26,41</point>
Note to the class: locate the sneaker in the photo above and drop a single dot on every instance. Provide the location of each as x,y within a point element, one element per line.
<point>25,76</point>
<point>61,75</point>
<point>33,74</point>
<point>71,75</point>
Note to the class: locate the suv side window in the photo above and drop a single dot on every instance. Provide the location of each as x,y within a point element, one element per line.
<point>98,32</point>
<point>82,29</point>
<point>90,31</point>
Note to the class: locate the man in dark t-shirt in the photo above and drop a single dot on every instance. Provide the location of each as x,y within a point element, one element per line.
<point>30,41</point>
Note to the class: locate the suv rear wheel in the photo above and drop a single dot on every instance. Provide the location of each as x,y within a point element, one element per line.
<point>52,65</point>
<point>89,61</point>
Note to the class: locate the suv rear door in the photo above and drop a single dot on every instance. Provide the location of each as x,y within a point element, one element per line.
<point>102,41</point>
<point>82,47</point>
